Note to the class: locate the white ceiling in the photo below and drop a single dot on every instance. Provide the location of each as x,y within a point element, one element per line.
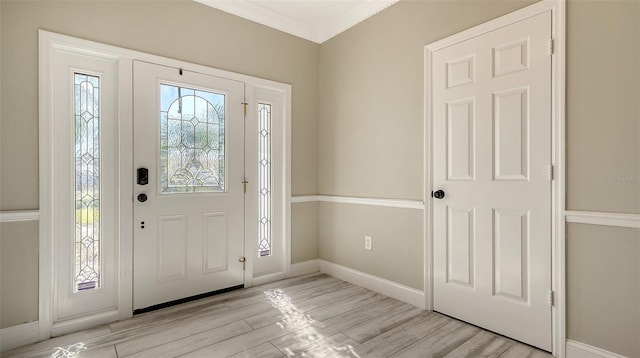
<point>314,20</point>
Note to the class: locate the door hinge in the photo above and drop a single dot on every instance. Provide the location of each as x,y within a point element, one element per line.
<point>244,184</point>
<point>551,174</point>
<point>551,298</point>
<point>551,47</point>
<point>244,104</point>
<point>244,262</point>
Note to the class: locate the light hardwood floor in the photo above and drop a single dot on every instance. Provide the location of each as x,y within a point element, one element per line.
<point>309,316</point>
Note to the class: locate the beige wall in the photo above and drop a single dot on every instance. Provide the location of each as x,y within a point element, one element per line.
<point>304,227</point>
<point>18,273</point>
<point>183,30</point>
<point>603,172</point>
<point>371,91</point>
<point>395,254</point>
<point>603,287</point>
<point>371,142</point>
<point>603,110</point>
<point>366,138</point>
<point>371,132</point>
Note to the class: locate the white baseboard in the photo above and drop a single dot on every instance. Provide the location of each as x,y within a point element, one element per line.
<point>581,350</point>
<point>270,277</point>
<point>18,336</point>
<point>82,323</point>
<point>374,283</point>
<point>304,268</point>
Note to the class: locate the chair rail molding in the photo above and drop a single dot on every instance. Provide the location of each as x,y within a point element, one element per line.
<point>392,203</point>
<point>603,218</point>
<point>19,215</point>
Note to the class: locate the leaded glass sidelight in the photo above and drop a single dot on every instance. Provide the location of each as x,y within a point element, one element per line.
<point>87,181</point>
<point>192,140</point>
<point>264,179</point>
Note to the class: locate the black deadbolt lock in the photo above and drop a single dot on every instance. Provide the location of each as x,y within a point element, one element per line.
<point>142,197</point>
<point>143,176</point>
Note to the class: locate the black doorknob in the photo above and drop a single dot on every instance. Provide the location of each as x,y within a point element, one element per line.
<point>142,197</point>
<point>439,194</point>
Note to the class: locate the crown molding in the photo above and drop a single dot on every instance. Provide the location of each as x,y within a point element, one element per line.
<point>293,26</point>
<point>350,19</point>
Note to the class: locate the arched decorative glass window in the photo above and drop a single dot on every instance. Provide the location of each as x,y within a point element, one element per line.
<point>192,140</point>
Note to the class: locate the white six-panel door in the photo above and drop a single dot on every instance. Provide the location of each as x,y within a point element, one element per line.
<point>189,217</point>
<point>492,159</point>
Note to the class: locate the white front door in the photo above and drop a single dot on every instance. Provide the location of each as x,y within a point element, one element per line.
<point>188,190</point>
<point>492,160</point>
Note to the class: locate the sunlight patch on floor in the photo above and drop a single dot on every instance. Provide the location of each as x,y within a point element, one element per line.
<point>299,322</point>
<point>71,351</point>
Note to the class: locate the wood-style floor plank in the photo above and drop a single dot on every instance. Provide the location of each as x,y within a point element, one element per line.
<point>49,346</point>
<point>523,351</point>
<point>401,336</point>
<point>384,322</point>
<point>338,345</point>
<point>483,344</point>
<point>175,348</point>
<point>175,332</point>
<point>240,343</point>
<point>310,316</point>
<point>440,342</point>
<point>265,350</point>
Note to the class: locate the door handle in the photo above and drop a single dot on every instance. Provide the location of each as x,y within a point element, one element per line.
<point>439,194</point>
<point>143,176</point>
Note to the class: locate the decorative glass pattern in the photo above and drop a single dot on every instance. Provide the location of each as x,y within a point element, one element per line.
<point>192,140</point>
<point>264,179</point>
<point>87,181</point>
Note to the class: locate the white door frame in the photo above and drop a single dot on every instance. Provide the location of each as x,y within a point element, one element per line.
<point>47,42</point>
<point>557,8</point>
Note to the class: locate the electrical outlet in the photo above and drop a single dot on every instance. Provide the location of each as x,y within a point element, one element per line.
<point>367,242</point>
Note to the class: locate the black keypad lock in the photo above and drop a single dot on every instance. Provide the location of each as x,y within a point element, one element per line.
<point>143,176</point>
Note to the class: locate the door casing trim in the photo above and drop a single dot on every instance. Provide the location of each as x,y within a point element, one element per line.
<point>125,57</point>
<point>558,269</point>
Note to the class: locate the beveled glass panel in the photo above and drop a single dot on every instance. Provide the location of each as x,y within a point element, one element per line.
<point>192,140</point>
<point>86,271</point>
<point>264,180</point>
